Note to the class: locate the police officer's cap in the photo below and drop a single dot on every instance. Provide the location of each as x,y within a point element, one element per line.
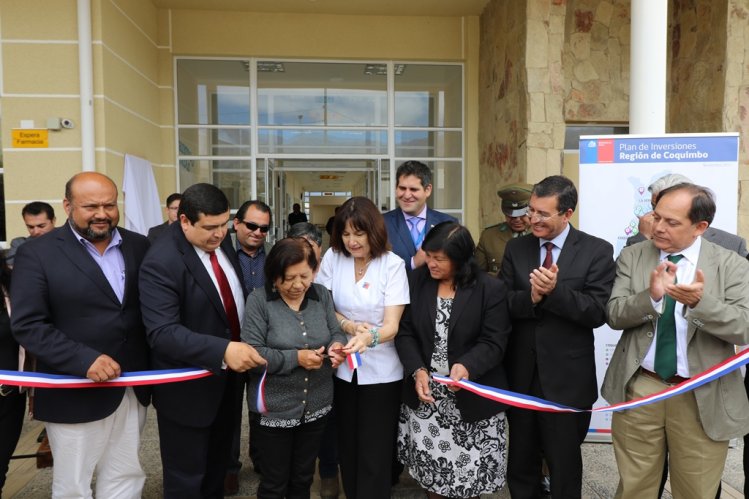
<point>515,199</point>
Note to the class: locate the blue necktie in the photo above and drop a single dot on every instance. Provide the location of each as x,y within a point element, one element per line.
<point>413,224</point>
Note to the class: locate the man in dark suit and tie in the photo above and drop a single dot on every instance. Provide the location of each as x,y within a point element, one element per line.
<point>409,223</point>
<point>172,207</point>
<point>550,353</point>
<point>192,298</point>
<point>76,309</point>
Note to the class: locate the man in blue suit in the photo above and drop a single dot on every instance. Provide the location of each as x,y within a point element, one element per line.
<point>409,223</point>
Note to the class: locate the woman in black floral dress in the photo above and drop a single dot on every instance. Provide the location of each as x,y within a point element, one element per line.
<point>457,325</point>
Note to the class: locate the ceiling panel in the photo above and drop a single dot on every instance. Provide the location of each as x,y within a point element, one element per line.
<point>347,7</point>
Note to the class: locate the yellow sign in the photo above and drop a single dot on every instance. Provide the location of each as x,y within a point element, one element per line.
<point>25,137</point>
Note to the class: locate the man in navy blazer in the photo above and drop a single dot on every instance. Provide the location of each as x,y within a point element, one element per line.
<point>413,188</point>
<point>559,280</point>
<point>172,206</point>
<point>191,309</point>
<point>75,307</point>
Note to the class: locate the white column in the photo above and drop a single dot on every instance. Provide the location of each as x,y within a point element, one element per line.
<point>86,85</point>
<point>647,80</point>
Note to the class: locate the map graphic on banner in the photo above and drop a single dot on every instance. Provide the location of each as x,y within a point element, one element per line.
<point>615,172</point>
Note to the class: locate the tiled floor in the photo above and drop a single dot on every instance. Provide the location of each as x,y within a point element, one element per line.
<point>600,473</point>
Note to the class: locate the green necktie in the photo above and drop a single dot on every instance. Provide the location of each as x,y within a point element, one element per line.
<point>665,344</point>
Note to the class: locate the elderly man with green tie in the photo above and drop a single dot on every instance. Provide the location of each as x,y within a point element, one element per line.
<point>682,303</point>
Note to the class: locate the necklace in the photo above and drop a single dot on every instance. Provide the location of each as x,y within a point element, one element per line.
<point>360,272</point>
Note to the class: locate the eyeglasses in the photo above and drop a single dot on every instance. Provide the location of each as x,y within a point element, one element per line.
<point>542,217</point>
<point>252,227</point>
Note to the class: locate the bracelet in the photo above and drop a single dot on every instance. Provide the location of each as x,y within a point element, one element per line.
<point>343,321</point>
<point>375,337</point>
<point>413,374</point>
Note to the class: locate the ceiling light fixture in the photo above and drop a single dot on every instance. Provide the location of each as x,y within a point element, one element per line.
<point>270,67</point>
<point>381,69</point>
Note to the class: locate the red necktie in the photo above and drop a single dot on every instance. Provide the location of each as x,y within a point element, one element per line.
<point>227,297</point>
<point>548,257</point>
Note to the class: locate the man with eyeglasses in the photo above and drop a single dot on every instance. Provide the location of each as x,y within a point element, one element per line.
<point>172,206</point>
<point>559,280</point>
<point>251,224</point>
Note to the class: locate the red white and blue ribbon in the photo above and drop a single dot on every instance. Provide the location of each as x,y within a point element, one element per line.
<point>260,400</point>
<point>536,404</point>
<point>135,378</point>
<point>353,360</point>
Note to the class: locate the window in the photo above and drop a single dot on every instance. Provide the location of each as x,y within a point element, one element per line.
<point>238,119</point>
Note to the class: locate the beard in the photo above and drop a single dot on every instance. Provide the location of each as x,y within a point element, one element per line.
<point>92,235</point>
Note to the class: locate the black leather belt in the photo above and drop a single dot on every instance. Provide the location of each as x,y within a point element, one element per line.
<point>673,380</point>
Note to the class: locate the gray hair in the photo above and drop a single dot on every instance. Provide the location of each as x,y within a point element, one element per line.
<point>306,229</point>
<point>667,181</point>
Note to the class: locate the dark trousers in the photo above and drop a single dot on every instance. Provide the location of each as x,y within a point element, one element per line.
<point>195,459</point>
<point>328,455</point>
<point>556,438</point>
<point>289,459</point>
<point>367,424</point>
<point>235,463</point>
<point>12,407</point>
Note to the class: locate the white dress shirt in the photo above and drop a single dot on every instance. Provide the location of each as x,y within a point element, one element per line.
<point>231,276</point>
<point>383,284</point>
<point>685,272</point>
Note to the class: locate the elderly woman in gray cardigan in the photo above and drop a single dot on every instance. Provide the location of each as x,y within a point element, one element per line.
<point>292,324</point>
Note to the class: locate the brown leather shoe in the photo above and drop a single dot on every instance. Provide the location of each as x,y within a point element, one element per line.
<point>231,484</point>
<point>329,488</point>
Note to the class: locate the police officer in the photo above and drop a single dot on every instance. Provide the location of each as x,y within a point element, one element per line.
<point>493,239</point>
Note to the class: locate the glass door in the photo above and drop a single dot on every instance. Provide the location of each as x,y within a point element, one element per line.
<point>319,185</point>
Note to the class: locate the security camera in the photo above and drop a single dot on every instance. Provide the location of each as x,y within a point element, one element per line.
<point>67,123</point>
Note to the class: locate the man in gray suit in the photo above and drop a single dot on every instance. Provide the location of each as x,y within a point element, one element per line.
<point>682,303</point>
<point>720,237</point>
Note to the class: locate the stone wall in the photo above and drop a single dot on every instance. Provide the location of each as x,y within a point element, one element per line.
<point>548,63</point>
<point>503,103</point>
<point>546,87</point>
<point>545,63</point>
<point>736,96</point>
<point>596,61</point>
<point>697,59</point>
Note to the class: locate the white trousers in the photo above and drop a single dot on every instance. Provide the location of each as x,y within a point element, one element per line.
<point>108,447</point>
